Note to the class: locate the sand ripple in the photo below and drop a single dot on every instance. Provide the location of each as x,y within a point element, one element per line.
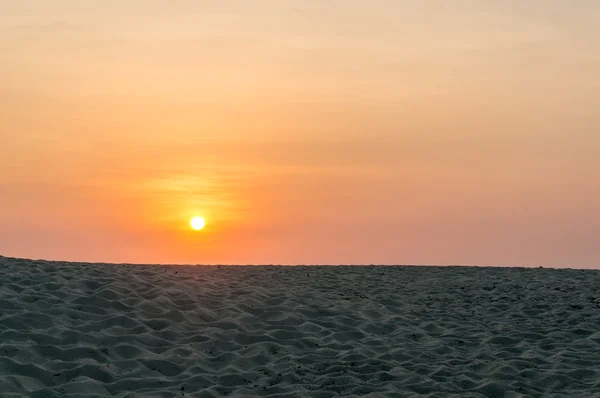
<point>97,330</point>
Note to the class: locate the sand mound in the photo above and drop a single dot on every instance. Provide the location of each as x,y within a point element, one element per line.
<point>97,330</point>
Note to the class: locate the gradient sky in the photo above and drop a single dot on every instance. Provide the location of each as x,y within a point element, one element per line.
<point>305,131</point>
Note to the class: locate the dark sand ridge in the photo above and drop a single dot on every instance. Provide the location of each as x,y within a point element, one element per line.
<point>96,330</point>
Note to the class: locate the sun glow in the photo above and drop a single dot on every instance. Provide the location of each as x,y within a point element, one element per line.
<point>197,223</point>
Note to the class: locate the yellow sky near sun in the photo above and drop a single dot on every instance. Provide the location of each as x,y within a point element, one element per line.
<point>303,131</point>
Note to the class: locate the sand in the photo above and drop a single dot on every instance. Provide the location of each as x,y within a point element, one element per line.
<point>100,330</point>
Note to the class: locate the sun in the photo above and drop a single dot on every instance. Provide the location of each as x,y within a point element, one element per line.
<point>197,223</point>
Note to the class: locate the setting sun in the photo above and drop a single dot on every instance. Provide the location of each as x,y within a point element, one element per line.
<point>197,223</point>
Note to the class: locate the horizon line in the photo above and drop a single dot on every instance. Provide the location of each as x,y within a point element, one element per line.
<point>298,265</point>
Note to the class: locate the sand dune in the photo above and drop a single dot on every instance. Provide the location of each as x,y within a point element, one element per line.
<point>98,330</point>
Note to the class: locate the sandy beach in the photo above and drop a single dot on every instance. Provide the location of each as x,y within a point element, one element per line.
<point>102,330</point>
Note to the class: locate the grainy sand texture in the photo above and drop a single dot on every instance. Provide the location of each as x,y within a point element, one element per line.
<point>101,330</point>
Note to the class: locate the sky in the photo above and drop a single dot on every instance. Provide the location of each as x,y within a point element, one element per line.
<point>303,131</point>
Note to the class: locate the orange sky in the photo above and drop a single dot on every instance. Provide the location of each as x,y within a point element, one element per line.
<point>411,132</point>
